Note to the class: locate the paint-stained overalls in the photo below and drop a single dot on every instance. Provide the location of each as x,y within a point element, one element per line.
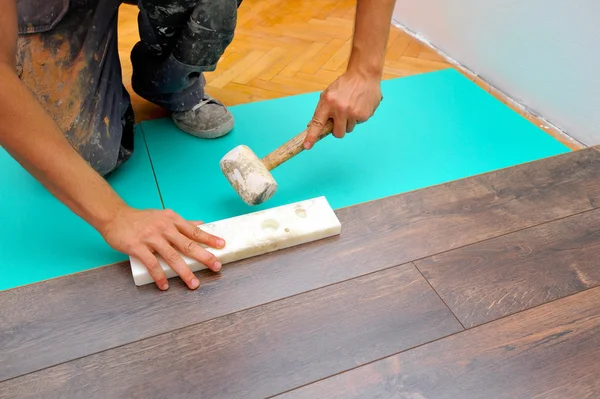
<point>68,57</point>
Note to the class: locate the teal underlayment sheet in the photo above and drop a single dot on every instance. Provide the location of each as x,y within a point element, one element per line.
<point>430,129</point>
<point>42,239</point>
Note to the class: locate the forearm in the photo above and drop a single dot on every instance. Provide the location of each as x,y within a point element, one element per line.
<point>371,32</point>
<point>30,135</point>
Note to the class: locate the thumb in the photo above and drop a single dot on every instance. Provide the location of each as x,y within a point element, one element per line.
<point>316,125</point>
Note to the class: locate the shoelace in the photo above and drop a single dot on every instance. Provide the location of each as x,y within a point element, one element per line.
<point>204,102</point>
<point>201,103</point>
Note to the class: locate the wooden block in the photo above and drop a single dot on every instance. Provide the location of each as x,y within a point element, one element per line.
<point>258,233</point>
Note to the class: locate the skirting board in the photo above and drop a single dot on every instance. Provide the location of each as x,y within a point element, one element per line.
<point>258,233</point>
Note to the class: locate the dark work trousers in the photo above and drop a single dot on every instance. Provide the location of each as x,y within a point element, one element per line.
<point>67,56</point>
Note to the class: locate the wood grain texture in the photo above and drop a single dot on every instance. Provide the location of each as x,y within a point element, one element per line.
<point>505,275</point>
<point>261,351</point>
<point>62,319</point>
<point>548,352</point>
<point>294,146</point>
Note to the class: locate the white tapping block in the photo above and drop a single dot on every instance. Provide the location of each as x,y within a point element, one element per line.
<point>258,233</point>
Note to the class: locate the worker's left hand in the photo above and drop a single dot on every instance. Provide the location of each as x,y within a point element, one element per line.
<point>350,99</point>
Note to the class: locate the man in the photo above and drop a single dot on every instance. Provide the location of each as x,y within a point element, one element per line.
<point>67,119</point>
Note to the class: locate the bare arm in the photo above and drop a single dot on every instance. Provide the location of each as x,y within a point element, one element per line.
<point>371,32</point>
<point>354,96</point>
<point>32,137</point>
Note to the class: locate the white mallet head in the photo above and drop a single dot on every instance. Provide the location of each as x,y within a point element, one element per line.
<point>248,175</point>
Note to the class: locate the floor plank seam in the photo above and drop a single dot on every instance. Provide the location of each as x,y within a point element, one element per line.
<point>152,167</point>
<point>365,364</point>
<point>432,341</point>
<point>405,264</point>
<point>439,296</point>
<point>597,286</point>
<point>510,314</point>
<point>508,233</point>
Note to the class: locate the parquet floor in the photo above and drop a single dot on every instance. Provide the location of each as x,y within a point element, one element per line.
<point>286,48</point>
<point>291,47</point>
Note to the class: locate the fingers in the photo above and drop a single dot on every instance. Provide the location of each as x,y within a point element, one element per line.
<point>340,124</point>
<point>153,234</point>
<point>176,262</point>
<point>317,123</point>
<point>350,125</point>
<point>331,106</point>
<point>187,243</point>
<point>343,122</point>
<point>192,249</point>
<point>154,268</point>
<point>185,238</point>
<point>197,234</point>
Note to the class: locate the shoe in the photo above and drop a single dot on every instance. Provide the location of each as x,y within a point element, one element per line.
<point>208,119</point>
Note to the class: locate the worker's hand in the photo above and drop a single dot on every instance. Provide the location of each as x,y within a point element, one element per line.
<point>142,233</point>
<point>350,99</point>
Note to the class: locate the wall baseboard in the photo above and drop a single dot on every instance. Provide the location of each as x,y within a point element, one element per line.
<point>528,113</point>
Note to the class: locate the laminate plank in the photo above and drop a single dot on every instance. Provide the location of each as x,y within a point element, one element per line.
<point>548,352</point>
<point>261,351</point>
<point>505,275</point>
<point>63,319</point>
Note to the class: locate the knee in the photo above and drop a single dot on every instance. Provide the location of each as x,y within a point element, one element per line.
<point>171,13</point>
<point>218,17</point>
<point>210,30</point>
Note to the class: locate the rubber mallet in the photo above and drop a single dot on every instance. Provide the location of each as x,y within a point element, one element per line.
<point>251,176</point>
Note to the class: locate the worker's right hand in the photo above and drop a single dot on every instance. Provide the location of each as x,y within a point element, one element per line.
<point>351,99</point>
<point>142,233</point>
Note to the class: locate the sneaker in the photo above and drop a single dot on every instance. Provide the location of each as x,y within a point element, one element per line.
<point>208,119</point>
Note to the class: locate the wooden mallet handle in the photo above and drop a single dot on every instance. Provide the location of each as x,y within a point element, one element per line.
<point>293,147</point>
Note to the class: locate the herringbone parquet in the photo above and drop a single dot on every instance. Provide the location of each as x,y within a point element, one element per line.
<point>283,48</point>
<point>288,47</point>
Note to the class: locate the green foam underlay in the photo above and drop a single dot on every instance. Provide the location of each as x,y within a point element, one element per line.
<point>43,239</point>
<point>429,129</point>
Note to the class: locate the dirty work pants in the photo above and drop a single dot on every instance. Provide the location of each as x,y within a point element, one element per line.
<point>67,56</point>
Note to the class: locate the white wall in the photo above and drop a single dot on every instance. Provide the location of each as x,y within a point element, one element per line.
<point>545,54</point>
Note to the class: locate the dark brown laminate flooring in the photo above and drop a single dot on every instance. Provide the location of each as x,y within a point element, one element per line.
<point>505,275</point>
<point>268,349</point>
<point>548,352</point>
<point>490,245</point>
